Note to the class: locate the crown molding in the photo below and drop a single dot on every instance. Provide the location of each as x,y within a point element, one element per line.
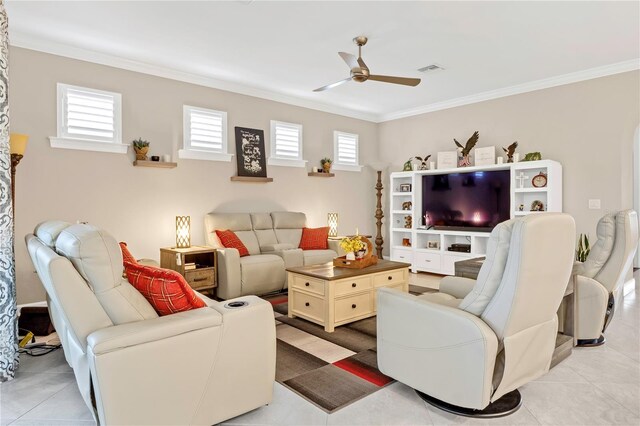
<point>574,77</point>
<point>25,41</point>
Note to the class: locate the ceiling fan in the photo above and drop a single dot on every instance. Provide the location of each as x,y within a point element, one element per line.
<point>360,71</point>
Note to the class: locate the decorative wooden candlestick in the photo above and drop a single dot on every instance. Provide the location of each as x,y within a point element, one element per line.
<point>379,215</point>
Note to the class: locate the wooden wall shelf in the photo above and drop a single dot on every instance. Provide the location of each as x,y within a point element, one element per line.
<point>251,179</point>
<point>158,164</point>
<point>320,174</point>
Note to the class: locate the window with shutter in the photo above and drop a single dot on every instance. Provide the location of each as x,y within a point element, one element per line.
<point>346,152</point>
<point>286,144</point>
<point>205,134</point>
<point>89,119</point>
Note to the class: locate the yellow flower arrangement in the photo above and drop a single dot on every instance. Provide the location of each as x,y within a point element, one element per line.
<point>352,244</point>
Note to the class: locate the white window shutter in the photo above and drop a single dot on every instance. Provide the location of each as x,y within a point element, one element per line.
<point>90,114</point>
<point>286,141</point>
<point>205,130</point>
<point>205,134</point>
<point>346,149</point>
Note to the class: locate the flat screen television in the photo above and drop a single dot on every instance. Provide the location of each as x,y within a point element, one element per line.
<point>474,201</point>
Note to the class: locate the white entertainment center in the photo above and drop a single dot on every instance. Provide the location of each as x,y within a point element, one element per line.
<point>428,250</point>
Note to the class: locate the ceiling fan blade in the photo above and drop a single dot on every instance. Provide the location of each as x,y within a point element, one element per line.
<point>395,80</point>
<point>332,85</point>
<point>350,60</point>
<point>362,64</point>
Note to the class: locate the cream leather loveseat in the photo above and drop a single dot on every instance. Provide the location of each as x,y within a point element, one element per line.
<point>198,367</point>
<point>272,240</point>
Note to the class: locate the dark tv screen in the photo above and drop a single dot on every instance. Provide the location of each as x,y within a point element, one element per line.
<point>478,200</point>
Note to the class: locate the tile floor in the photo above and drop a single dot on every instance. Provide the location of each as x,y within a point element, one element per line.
<point>594,386</point>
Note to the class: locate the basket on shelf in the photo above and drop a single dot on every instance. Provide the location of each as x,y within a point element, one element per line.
<point>368,259</point>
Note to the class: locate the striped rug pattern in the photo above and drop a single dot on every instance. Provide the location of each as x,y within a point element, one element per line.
<point>331,370</point>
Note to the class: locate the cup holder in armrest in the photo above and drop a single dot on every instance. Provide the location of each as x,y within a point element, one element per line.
<point>234,305</point>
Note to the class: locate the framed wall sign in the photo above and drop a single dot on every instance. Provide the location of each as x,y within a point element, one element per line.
<point>250,152</point>
<point>447,160</point>
<point>485,156</point>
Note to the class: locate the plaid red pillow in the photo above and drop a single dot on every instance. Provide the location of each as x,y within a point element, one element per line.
<point>230,240</point>
<point>314,238</point>
<point>126,254</point>
<point>166,290</point>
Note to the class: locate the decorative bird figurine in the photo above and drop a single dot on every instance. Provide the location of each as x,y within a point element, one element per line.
<point>423,165</point>
<point>473,140</point>
<point>510,150</point>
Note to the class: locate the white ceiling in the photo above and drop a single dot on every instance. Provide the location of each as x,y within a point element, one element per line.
<point>284,50</point>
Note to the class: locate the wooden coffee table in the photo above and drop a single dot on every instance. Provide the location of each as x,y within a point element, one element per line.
<point>332,296</point>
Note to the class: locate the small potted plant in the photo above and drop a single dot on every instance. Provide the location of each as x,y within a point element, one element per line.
<point>326,164</point>
<point>582,252</point>
<point>141,147</point>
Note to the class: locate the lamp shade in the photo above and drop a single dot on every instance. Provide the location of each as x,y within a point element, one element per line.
<point>183,231</point>
<point>18,143</point>
<point>332,221</point>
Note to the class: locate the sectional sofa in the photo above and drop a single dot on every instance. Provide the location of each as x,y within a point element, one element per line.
<point>272,240</point>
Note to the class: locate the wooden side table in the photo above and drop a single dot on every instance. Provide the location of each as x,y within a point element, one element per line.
<point>198,265</point>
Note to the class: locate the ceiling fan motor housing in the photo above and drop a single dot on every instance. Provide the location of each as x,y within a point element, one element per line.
<point>360,76</point>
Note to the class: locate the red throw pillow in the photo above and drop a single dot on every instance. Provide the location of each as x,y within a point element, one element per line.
<point>230,240</point>
<point>126,254</point>
<point>166,290</point>
<point>314,238</point>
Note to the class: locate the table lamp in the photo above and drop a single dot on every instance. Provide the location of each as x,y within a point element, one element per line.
<point>17,147</point>
<point>183,231</point>
<point>332,221</point>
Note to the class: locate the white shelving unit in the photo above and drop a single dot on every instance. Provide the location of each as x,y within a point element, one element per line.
<point>525,195</point>
<point>428,250</point>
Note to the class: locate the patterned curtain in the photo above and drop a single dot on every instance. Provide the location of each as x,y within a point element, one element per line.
<point>8,318</point>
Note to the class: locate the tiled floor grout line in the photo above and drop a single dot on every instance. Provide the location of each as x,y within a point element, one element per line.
<point>524,405</point>
<point>42,402</point>
<point>596,388</point>
<point>426,407</point>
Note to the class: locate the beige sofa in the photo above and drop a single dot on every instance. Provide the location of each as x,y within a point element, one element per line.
<point>272,240</point>
<point>132,367</point>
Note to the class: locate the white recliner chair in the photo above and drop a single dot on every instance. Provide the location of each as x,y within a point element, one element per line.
<point>600,279</point>
<point>200,367</point>
<point>468,348</point>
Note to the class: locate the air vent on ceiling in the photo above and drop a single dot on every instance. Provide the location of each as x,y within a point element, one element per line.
<point>431,68</point>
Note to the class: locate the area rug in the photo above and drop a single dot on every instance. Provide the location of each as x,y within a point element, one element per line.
<point>329,385</point>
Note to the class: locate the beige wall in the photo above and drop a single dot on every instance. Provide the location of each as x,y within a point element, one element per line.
<point>139,205</point>
<point>588,127</point>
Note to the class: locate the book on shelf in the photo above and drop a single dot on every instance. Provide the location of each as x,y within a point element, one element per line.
<point>189,266</point>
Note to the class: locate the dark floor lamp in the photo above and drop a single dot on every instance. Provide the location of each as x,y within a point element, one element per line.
<point>379,168</point>
<point>17,147</point>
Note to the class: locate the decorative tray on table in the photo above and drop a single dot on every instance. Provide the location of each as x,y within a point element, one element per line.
<point>368,259</point>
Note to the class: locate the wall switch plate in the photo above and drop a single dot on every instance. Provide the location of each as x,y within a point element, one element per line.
<point>594,204</point>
